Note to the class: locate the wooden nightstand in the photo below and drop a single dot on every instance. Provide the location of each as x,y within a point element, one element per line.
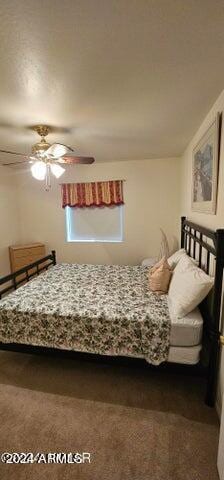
<point>22,255</point>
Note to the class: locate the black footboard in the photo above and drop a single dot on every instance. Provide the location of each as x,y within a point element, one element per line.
<point>14,280</point>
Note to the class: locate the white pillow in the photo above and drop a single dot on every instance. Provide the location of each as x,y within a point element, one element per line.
<point>177,256</point>
<point>148,262</point>
<point>185,262</point>
<point>174,259</point>
<point>188,287</point>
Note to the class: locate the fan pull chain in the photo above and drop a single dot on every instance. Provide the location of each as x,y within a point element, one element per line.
<point>48,178</point>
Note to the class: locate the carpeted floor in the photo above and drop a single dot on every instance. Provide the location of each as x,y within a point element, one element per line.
<point>137,424</point>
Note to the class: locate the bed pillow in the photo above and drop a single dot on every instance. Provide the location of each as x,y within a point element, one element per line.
<point>179,255</point>
<point>185,263</point>
<point>188,287</point>
<point>157,265</point>
<point>149,262</point>
<point>159,279</point>
<point>174,259</point>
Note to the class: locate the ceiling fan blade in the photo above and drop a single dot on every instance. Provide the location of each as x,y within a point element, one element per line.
<point>13,153</point>
<point>58,150</point>
<point>72,159</point>
<point>15,163</point>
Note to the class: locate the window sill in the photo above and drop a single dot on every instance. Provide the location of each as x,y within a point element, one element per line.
<point>94,241</point>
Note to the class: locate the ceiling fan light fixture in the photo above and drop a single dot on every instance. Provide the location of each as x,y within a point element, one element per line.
<point>45,157</point>
<point>57,170</point>
<point>38,170</point>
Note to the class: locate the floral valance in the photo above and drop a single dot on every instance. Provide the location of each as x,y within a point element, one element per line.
<point>92,194</point>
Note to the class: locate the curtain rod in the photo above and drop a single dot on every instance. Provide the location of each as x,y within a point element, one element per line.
<point>97,181</point>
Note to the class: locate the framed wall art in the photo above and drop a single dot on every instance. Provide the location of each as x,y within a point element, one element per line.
<point>205,169</point>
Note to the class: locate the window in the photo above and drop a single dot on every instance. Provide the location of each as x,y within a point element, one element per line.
<point>94,224</point>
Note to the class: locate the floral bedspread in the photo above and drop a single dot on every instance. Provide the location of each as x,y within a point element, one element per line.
<point>105,309</point>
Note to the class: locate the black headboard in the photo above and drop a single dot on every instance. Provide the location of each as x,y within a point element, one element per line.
<point>201,244</point>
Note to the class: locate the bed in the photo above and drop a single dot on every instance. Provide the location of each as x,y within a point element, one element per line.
<point>109,310</point>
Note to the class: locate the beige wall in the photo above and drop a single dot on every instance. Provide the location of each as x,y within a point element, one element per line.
<point>151,194</point>
<point>212,221</point>
<point>9,230</point>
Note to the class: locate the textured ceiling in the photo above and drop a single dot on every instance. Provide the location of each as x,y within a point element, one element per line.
<point>124,79</point>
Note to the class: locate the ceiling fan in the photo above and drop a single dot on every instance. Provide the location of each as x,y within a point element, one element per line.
<point>46,158</point>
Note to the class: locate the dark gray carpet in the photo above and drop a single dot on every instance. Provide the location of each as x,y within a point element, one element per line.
<point>137,424</point>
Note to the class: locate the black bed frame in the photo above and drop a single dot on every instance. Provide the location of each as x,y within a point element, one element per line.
<point>200,243</point>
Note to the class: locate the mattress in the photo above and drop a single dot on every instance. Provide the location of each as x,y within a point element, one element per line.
<point>186,331</point>
<point>184,355</point>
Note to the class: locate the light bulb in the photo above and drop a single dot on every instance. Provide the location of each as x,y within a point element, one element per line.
<point>57,170</point>
<point>38,170</point>
<point>57,150</point>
